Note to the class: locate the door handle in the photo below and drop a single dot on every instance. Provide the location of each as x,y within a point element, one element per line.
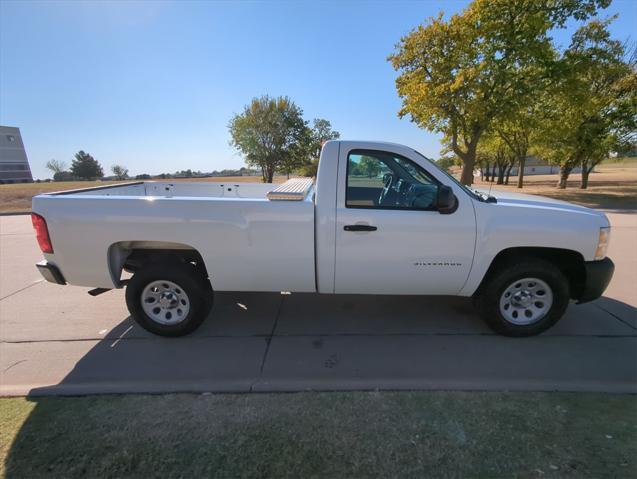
<point>359,228</point>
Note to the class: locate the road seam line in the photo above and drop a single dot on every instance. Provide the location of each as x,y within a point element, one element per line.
<point>268,342</point>
<point>323,335</point>
<point>37,281</point>
<point>615,316</point>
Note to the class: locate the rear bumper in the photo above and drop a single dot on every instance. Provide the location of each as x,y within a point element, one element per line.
<point>598,275</point>
<point>50,272</point>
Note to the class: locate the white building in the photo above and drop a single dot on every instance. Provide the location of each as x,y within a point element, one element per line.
<point>14,165</point>
<point>534,166</point>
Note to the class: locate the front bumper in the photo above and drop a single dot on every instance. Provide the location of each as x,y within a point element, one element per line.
<point>50,272</point>
<point>598,275</point>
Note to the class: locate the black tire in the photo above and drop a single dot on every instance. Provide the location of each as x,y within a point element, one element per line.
<point>196,288</point>
<point>487,300</point>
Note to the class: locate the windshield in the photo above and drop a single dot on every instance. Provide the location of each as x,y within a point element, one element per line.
<point>478,195</point>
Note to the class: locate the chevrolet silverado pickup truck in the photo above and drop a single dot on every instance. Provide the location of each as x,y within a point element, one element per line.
<point>380,218</point>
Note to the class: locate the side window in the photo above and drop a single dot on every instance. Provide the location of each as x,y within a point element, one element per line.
<point>378,179</point>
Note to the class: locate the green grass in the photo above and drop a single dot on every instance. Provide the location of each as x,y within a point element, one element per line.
<point>388,434</point>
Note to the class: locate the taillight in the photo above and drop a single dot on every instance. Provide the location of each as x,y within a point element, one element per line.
<point>42,233</point>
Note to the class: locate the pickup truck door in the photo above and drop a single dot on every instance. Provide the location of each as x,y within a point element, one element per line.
<point>390,237</point>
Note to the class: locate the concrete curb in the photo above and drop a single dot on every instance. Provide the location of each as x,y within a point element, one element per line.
<point>253,386</point>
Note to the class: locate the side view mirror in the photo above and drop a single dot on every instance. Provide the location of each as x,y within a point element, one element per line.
<point>447,202</point>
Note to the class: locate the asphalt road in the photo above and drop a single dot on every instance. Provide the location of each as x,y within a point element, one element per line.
<point>59,340</point>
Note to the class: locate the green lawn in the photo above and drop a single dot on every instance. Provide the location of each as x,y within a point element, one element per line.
<point>387,434</point>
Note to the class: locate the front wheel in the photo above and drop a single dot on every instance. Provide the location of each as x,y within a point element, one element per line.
<point>524,298</point>
<point>168,299</point>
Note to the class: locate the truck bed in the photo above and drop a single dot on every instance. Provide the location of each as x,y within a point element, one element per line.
<point>298,188</point>
<point>242,235</point>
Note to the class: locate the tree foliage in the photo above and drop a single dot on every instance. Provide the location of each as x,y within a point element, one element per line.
<point>56,166</point>
<point>369,166</point>
<point>85,167</point>
<point>63,176</point>
<point>446,162</point>
<point>320,133</point>
<point>593,106</point>
<point>270,133</point>
<point>496,157</point>
<point>121,172</point>
<point>457,76</point>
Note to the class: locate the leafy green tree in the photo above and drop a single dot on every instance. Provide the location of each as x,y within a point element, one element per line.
<point>517,131</point>
<point>63,176</point>
<point>321,132</point>
<point>86,167</point>
<point>121,172</point>
<point>593,107</point>
<point>269,133</point>
<point>456,76</point>
<point>369,166</point>
<point>299,153</point>
<point>494,151</point>
<point>446,162</point>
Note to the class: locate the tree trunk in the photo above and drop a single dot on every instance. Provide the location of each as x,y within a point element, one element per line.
<point>508,174</point>
<point>269,174</point>
<point>585,172</point>
<point>468,162</point>
<point>564,172</point>
<point>521,171</point>
<point>466,178</point>
<point>500,175</point>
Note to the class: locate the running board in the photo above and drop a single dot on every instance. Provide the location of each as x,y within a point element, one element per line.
<point>98,291</point>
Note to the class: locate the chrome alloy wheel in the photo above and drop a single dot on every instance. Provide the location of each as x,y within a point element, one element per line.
<point>526,301</point>
<point>165,302</point>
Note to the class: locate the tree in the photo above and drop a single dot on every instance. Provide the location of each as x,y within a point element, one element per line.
<point>269,133</point>
<point>84,166</point>
<point>446,162</point>
<point>299,153</point>
<point>369,166</point>
<point>56,166</point>
<point>321,132</point>
<point>121,172</point>
<point>517,132</point>
<point>63,176</point>
<point>457,76</point>
<point>494,151</point>
<point>594,105</point>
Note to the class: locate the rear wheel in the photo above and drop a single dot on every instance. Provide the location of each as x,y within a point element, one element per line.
<point>168,299</point>
<point>523,298</point>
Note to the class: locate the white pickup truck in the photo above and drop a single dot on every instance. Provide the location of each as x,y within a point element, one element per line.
<point>379,219</point>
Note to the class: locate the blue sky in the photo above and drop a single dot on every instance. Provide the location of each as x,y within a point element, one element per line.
<point>152,85</point>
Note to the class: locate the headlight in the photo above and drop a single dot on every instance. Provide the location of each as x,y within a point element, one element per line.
<point>602,244</point>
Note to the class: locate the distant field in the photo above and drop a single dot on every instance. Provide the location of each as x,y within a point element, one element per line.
<point>16,198</point>
<point>611,186</point>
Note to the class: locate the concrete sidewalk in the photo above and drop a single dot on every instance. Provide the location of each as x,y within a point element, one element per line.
<point>59,340</point>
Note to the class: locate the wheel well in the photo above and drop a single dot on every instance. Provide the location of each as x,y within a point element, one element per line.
<point>569,262</point>
<point>131,256</point>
